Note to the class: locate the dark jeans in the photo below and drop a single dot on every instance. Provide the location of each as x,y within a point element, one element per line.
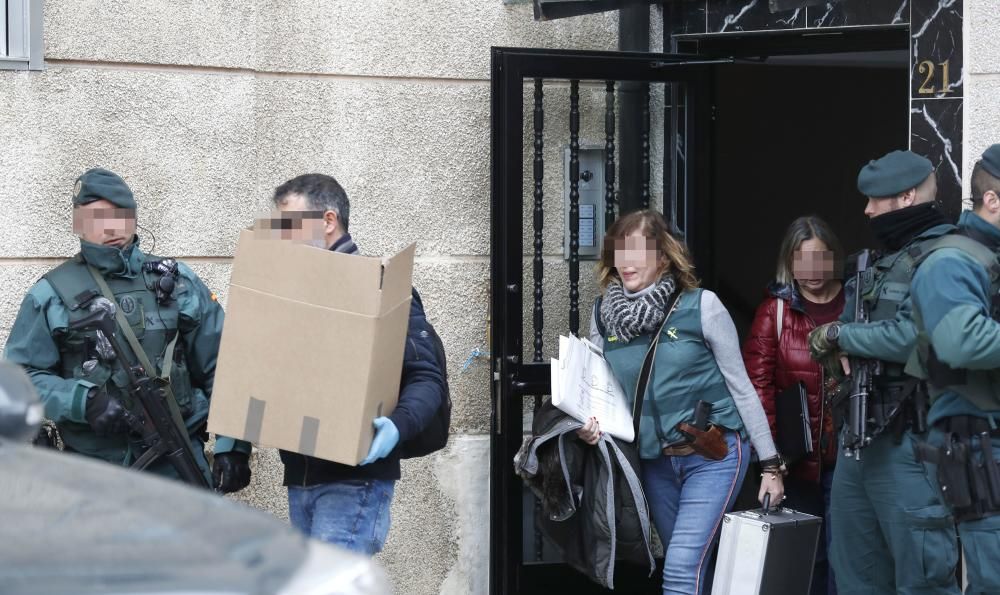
<point>814,498</point>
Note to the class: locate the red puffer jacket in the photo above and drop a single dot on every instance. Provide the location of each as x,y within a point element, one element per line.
<point>774,364</point>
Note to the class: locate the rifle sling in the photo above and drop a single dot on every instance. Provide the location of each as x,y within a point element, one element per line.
<point>140,353</point>
<point>149,457</point>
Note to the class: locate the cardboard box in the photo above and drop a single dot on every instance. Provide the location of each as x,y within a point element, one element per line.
<point>312,348</point>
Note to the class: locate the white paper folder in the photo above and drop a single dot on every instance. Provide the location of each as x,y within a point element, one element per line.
<point>584,386</point>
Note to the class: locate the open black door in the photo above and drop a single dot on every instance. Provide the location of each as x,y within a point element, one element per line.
<point>521,560</point>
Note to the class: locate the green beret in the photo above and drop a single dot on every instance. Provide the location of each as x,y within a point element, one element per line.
<point>991,160</point>
<point>893,174</point>
<point>98,183</point>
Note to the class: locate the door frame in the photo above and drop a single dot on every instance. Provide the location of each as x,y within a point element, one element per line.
<point>514,380</point>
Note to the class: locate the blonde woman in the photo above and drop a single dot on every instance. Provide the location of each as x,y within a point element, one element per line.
<point>807,293</point>
<point>690,476</point>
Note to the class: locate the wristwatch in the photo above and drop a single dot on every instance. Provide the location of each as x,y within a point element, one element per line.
<point>833,333</point>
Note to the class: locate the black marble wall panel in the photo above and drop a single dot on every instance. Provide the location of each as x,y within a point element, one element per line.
<point>687,16</point>
<point>847,13</point>
<point>936,91</point>
<point>936,133</point>
<point>727,16</point>
<point>937,61</point>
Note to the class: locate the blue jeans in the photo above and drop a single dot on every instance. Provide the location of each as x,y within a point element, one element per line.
<point>352,514</point>
<point>688,496</point>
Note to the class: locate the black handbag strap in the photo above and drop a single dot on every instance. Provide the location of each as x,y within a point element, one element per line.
<point>647,366</point>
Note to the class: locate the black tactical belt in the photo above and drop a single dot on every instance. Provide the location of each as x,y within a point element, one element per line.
<point>967,425</point>
<point>898,406</point>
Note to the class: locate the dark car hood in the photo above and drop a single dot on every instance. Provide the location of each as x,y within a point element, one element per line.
<point>72,525</point>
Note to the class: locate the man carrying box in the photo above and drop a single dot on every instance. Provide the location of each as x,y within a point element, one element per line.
<point>342,504</point>
<point>162,311</point>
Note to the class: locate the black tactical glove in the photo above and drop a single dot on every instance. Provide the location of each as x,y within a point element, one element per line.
<point>231,471</point>
<point>105,414</point>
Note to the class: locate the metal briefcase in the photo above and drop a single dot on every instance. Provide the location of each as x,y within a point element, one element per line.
<point>766,553</point>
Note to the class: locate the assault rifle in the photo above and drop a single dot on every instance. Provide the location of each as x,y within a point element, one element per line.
<point>161,433</point>
<point>863,372</point>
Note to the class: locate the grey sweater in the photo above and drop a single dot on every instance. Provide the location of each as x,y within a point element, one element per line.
<point>722,339</point>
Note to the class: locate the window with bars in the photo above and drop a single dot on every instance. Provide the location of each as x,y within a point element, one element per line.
<point>21,45</point>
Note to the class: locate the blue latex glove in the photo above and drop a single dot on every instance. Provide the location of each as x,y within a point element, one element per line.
<point>386,439</point>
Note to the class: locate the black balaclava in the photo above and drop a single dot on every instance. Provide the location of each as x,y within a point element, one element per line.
<point>896,229</point>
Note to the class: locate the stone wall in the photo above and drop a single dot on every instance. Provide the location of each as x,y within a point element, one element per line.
<point>204,106</point>
<point>982,72</point>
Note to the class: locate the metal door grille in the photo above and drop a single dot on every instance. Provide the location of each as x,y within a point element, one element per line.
<point>520,565</point>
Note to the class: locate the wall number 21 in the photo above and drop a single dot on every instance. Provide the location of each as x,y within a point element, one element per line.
<point>927,69</point>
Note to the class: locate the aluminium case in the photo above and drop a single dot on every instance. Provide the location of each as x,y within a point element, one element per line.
<point>770,553</point>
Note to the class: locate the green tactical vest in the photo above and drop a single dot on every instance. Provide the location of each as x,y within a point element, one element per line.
<point>885,286</point>
<point>980,387</point>
<point>154,326</point>
<point>685,372</point>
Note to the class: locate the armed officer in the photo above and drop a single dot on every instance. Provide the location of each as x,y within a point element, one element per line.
<point>890,532</point>
<point>174,318</point>
<point>955,307</point>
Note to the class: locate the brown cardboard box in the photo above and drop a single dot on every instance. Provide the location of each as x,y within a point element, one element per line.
<point>312,347</point>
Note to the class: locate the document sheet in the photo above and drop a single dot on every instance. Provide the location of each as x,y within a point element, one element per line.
<point>584,386</point>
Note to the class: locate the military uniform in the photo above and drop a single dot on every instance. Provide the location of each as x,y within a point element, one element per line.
<point>955,298</point>
<point>180,335</point>
<point>890,531</point>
